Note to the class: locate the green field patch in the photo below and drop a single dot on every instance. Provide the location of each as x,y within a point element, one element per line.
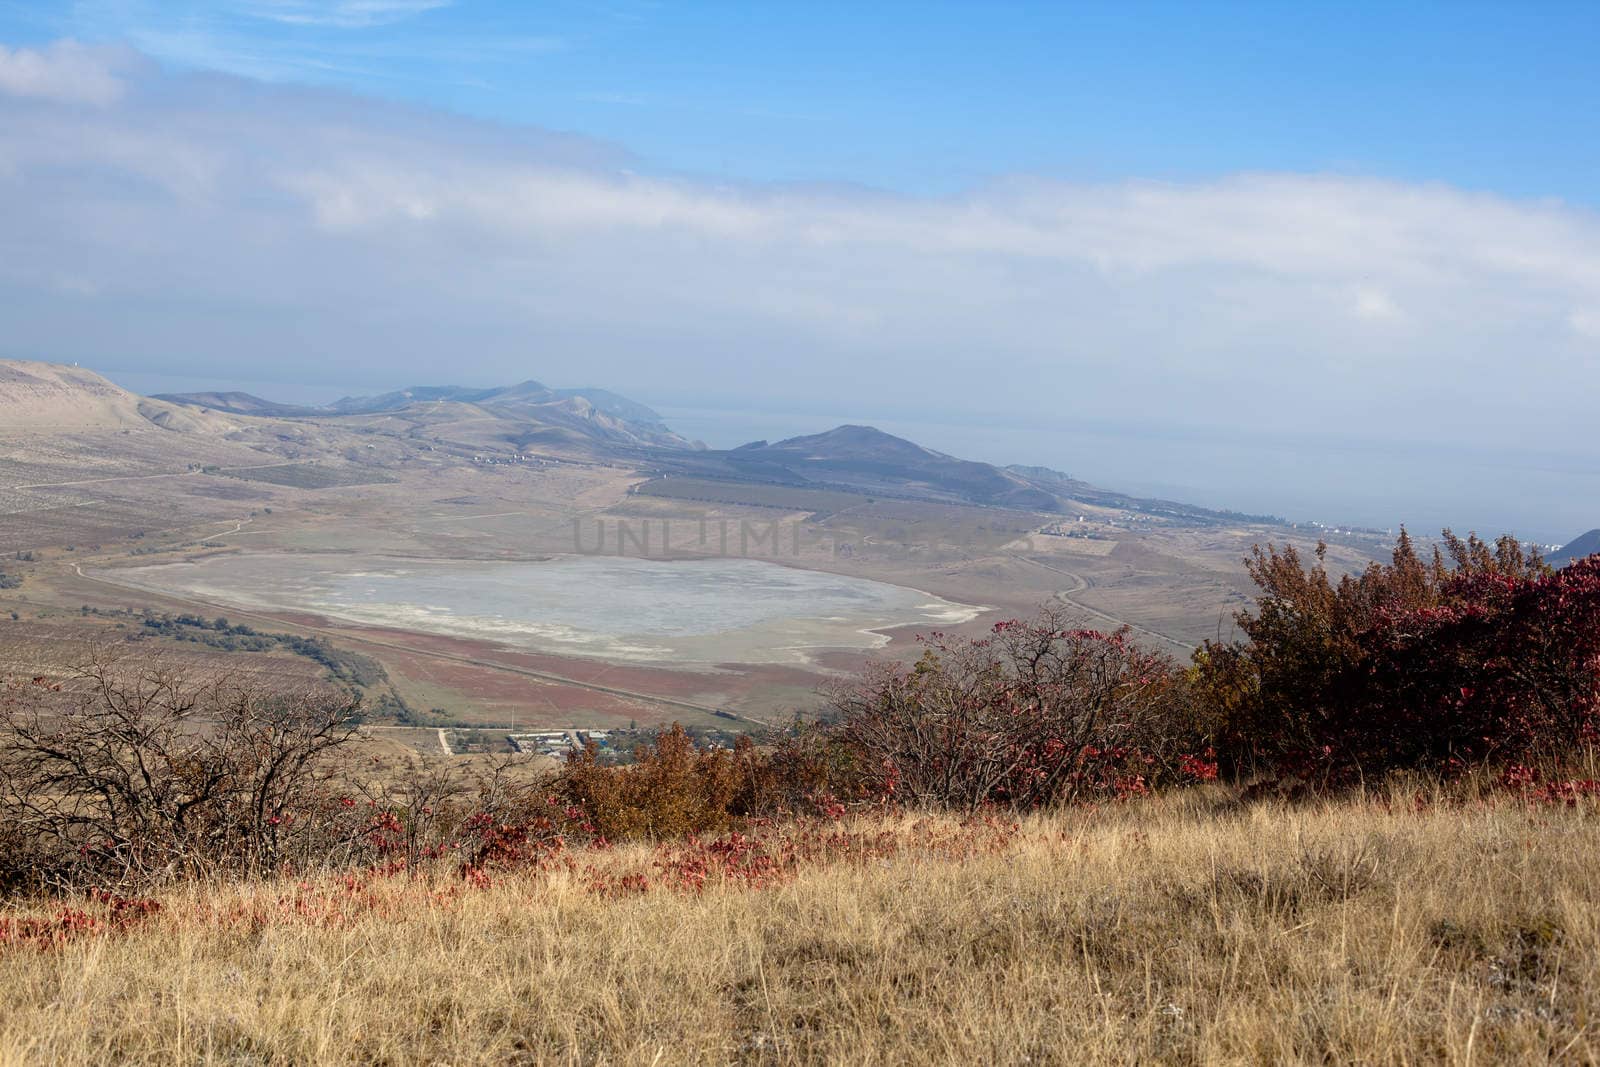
<point>308,476</point>
<point>821,503</point>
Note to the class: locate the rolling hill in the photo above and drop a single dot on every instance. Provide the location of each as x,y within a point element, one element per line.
<point>1581,547</point>
<point>863,459</point>
<point>1064,485</point>
<point>530,414</point>
<point>43,398</point>
<point>236,403</point>
<point>866,459</point>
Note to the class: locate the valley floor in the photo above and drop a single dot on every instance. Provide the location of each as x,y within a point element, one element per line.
<point>1195,929</point>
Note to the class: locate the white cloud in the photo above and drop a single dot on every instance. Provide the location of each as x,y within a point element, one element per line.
<point>1455,257</point>
<point>66,72</point>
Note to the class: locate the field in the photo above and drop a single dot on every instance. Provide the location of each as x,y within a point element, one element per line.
<point>1194,929</point>
<point>308,475</point>
<point>820,503</point>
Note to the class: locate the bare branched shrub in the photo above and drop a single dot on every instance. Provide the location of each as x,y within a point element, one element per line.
<point>131,770</point>
<point>473,812</point>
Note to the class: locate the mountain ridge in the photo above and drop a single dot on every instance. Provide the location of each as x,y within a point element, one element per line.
<point>597,414</point>
<point>607,426</point>
<point>1581,547</point>
<point>234,402</point>
<point>868,459</point>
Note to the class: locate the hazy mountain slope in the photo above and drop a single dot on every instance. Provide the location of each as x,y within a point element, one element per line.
<point>618,406</point>
<point>867,460</point>
<point>866,457</point>
<point>526,415</point>
<point>1074,489</point>
<point>593,414</point>
<point>41,398</point>
<point>528,392</point>
<point>578,414</point>
<point>403,398</point>
<point>1580,548</point>
<point>236,403</point>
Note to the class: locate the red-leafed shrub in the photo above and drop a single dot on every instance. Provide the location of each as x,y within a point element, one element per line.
<point>104,913</point>
<point>1036,713</point>
<point>1507,668</point>
<point>1482,654</point>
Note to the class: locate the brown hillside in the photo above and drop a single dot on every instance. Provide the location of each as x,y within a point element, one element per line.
<point>37,398</point>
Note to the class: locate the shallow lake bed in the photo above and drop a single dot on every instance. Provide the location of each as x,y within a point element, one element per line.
<point>621,608</point>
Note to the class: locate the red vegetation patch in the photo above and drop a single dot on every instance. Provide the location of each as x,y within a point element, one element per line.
<point>1480,656</point>
<point>768,854</point>
<point>104,913</point>
<point>1531,786</point>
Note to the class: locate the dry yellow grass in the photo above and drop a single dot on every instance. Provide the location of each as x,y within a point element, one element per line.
<point>1189,930</point>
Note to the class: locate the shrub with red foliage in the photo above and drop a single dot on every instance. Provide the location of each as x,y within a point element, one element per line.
<point>1487,657</point>
<point>1037,713</point>
<point>1507,668</point>
<point>534,842</point>
<point>1527,783</point>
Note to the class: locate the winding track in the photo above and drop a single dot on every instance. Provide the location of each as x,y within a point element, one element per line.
<point>1066,598</point>
<point>146,477</point>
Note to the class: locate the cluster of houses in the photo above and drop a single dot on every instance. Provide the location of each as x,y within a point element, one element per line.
<point>556,742</point>
<point>1081,528</point>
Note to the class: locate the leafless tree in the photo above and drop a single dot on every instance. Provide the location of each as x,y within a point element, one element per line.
<point>133,770</point>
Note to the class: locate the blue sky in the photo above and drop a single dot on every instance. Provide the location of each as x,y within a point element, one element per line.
<point>1261,256</point>
<point>937,96</point>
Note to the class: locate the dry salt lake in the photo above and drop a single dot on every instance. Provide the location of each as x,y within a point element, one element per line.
<point>617,608</point>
